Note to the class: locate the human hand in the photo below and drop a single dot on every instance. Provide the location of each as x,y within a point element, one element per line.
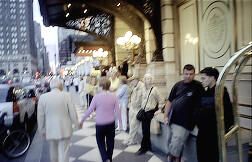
<point>157,112</point>
<point>166,121</point>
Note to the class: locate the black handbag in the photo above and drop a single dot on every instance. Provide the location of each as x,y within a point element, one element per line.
<point>141,113</point>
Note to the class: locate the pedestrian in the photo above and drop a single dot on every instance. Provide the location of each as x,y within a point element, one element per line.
<point>90,89</point>
<point>125,67</point>
<point>106,104</point>
<point>123,95</point>
<point>82,91</point>
<point>182,106</point>
<point>56,116</point>
<point>134,106</point>
<point>67,83</point>
<point>76,82</point>
<point>151,101</point>
<point>207,118</point>
<point>115,81</point>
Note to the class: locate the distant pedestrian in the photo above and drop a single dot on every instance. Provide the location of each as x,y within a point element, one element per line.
<point>106,105</point>
<point>123,95</point>
<point>76,82</point>
<point>56,117</point>
<point>67,83</point>
<point>82,91</point>
<point>135,101</point>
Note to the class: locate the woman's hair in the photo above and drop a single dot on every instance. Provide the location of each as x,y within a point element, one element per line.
<point>104,83</point>
<point>93,80</point>
<point>123,79</point>
<point>148,75</point>
<point>55,83</point>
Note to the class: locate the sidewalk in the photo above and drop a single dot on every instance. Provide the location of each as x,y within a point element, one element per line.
<point>84,148</point>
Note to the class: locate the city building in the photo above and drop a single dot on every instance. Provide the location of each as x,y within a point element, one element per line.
<point>17,47</point>
<point>66,44</point>
<point>42,56</point>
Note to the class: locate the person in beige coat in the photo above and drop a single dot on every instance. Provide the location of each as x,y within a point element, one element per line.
<point>56,117</point>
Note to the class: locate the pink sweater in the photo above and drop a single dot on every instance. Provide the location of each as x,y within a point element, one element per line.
<point>106,106</point>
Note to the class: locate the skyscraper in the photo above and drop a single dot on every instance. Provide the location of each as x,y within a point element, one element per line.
<point>17,47</point>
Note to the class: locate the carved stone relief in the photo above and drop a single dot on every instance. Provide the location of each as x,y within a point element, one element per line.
<point>216,30</point>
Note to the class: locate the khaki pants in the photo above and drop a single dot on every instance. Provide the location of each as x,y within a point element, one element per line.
<point>133,126</point>
<point>59,150</point>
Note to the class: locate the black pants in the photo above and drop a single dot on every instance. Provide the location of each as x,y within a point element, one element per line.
<point>146,143</point>
<point>105,138</point>
<point>76,88</point>
<point>89,99</point>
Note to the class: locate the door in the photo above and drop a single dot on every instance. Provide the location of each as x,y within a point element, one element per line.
<point>188,35</point>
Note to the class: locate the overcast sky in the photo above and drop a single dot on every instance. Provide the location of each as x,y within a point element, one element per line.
<point>48,33</point>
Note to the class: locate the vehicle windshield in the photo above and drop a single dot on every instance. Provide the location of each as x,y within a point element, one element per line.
<point>3,94</point>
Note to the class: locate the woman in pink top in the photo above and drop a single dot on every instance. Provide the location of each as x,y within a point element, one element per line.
<point>106,105</point>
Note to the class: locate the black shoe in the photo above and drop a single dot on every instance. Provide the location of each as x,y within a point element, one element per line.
<point>141,151</point>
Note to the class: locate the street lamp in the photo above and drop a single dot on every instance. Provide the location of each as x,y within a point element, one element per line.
<point>129,42</point>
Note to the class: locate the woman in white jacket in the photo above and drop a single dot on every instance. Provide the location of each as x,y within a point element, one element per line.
<point>56,116</point>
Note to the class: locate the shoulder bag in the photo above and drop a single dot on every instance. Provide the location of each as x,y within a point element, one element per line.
<point>141,113</point>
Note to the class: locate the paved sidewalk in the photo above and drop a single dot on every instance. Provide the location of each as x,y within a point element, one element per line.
<point>84,148</point>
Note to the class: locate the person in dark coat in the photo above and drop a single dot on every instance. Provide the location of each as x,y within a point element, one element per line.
<point>207,141</point>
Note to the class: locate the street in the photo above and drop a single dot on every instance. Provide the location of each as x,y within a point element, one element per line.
<point>34,129</point>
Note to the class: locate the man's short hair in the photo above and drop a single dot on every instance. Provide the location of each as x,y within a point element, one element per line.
<point>210,71</point>
<point>104,83</point>
<point>189,67</point>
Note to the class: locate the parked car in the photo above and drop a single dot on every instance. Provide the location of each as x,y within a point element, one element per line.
<point>19,104</point>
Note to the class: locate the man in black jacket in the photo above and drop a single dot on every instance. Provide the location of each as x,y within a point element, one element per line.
<point>207,141</point>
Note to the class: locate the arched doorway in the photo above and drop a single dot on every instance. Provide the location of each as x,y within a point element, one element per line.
<point>134,13</point>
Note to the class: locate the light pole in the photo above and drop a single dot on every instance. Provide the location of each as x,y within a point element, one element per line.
<point>129,42</point>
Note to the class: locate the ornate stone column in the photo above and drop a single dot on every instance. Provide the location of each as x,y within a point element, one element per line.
<point>168,34</point>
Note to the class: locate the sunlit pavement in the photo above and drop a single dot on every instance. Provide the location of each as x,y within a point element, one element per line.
<point>84,148</point>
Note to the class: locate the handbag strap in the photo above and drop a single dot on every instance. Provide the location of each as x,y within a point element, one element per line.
<point>148,97</point>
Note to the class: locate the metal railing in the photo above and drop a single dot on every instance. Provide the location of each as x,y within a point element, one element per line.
<point>239,59</point>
